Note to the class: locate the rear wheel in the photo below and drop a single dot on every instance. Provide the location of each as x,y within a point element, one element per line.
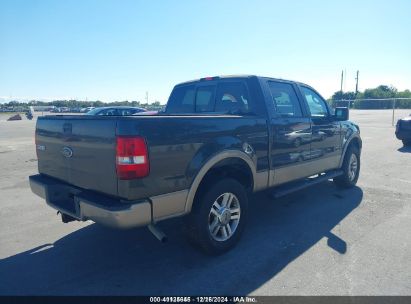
<point>351,168</point>
<point>218,217</point>
<point>406,143</point>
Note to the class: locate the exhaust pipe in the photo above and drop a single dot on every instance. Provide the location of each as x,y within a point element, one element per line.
<point>157,233</point>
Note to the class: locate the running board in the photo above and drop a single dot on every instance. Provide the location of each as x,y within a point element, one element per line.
<point>302,184</point>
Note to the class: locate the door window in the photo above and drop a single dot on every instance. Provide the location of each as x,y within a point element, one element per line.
<point>316,104</point>
<point>284,98</point>
<point>232,97</point>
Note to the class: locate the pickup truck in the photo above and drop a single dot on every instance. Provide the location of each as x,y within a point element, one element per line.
<point>218,140</point>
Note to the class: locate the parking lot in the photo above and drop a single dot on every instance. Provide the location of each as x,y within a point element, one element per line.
<point>319,241</point>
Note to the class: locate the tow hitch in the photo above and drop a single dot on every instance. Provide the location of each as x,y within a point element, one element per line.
<point>66,218</point>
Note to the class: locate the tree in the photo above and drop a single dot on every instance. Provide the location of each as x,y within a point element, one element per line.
<point>382,91</point>
<point>404,94</point>
<point>339,95</point>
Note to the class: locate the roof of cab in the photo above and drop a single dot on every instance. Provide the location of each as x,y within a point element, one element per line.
<point>237,76</point>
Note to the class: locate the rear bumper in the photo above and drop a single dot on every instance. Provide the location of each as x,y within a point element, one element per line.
<point>83,205</point>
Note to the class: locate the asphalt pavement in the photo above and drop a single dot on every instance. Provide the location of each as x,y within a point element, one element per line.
<point>319,241</point>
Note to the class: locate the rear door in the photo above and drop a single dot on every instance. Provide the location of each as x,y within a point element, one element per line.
<point>291,132</point>
<point>326,132</point>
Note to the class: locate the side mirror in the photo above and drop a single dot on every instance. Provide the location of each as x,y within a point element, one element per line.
<point>341,114</point>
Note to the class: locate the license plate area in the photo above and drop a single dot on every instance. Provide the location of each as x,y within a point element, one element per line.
<point>63,198</point>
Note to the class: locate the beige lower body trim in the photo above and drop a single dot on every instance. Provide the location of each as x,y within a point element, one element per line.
<point>293,172</point>
<point>134,216</point>
<point>169,205</point>
<point>261,180</point>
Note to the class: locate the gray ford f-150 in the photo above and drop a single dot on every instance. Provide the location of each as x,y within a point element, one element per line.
<point>219,139</point>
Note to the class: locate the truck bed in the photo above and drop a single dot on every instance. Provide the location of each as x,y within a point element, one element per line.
<point>178,145</point>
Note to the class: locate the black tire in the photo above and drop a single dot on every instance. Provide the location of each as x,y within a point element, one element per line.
<point>198,222</point>
<point>347,180</point>
<point>406,143</point>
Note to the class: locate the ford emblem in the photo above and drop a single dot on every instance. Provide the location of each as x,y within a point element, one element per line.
<point>67,152</point>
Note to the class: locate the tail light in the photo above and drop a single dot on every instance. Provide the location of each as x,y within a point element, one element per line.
<point>131,157</point>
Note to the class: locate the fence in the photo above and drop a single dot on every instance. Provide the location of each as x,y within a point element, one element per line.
<point>375,103</point>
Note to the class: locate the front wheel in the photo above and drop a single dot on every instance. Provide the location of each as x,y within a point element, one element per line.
<point>218,217</point>
<point>351,169</point>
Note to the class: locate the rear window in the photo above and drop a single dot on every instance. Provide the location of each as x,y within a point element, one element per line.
<point>205,99</point>
<point>181,100</point>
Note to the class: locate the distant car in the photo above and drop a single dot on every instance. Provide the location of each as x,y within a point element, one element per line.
<point>61,110</point>
<point>115,111</point>
<point>403,130</point>
<point>86,110</point>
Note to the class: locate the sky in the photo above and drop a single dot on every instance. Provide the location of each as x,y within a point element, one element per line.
<point>120,49</point>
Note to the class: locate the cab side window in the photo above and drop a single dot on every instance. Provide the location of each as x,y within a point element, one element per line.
<point>316,104</point>
<point>232,98</point>
<point>285,100</point>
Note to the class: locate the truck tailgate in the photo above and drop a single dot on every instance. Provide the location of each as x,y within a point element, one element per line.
<point>78,150</point>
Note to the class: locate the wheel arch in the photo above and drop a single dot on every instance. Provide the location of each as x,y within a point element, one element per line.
<point>355,140</point>
<point>232,163</point>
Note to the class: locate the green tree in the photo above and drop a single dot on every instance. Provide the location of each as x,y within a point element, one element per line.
<point>381,91</point>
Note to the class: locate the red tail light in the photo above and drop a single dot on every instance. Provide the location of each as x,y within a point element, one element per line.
<point>131,158</point>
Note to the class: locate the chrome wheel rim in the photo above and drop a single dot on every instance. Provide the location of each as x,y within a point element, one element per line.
<point>353,167</point>
<point>224,217</point>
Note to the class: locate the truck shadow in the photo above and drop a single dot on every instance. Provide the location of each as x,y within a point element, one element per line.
<point>96,260</point>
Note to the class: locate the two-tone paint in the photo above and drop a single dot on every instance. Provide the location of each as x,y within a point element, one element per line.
<point>184,148</point>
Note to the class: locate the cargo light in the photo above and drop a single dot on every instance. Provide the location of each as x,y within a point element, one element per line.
<point>131,157</point>
<point>209,78</point>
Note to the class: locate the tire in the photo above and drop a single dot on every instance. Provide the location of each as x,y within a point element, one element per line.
<point>406,143</point>
<point>209,223</point>
<point>351,168</point>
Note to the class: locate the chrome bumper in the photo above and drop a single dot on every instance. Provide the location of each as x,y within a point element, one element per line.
<point>85,206</point>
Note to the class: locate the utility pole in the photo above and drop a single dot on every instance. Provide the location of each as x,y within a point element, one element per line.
<point>342,78</point>
<point>356,83</point>
<point>345,79</point>
<point>146,97</point>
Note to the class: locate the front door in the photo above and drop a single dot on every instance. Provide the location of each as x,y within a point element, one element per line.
<point>325,141</point>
